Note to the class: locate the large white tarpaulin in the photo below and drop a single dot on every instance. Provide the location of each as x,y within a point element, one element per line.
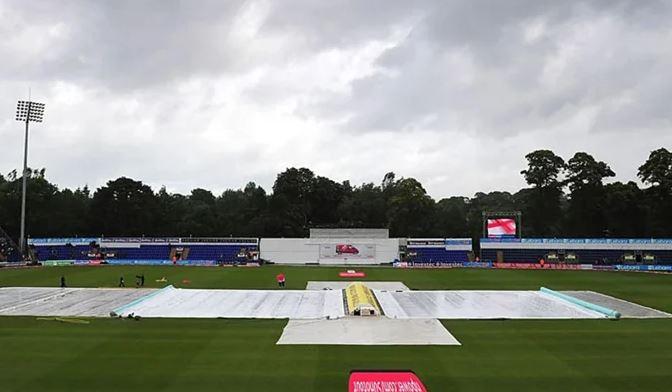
<point>625,308</point>
<point>367,331</point>
<point>49,301</point>
<point>311,304</point>
<point>266,304</point>
<point>303,304</point>
<point>458,304</point>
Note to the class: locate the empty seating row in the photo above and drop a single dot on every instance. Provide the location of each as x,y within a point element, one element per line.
<point>437,255</point>
<point>584,251</point>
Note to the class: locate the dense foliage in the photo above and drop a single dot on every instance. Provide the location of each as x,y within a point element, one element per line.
<point>563,199</point>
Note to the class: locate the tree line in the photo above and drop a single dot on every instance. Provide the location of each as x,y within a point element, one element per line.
<point>563,199</point>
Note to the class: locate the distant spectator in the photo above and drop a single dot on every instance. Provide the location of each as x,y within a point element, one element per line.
<point>140,280</point>
<point>62,281</point>
<point>121,282</point>
<point>280,278</point>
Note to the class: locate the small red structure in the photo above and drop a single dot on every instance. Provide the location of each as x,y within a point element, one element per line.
<point>351,274</point>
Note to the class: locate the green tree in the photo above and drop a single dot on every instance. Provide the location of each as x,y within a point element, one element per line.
<point>41,208</point>
<point>543,169</point>
<point>301,200</point>
<point>324,199</point>
<point>625,210</point>
<point>657,170</point>
<point>243,212</point>
<point>124,207</point>
<point>290,202</point>
<point>171,209</point>
<point>586,214</point>
<point>68,214</point>
<point>363,207</point>
<point>583,171</point>
<point>409,209</point>
<point>200,217</point>
<point>450,217</point>
<point>541,204</point>
<point>657,173</point>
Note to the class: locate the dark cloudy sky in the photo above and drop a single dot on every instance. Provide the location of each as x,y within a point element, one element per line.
<point>214,93</point>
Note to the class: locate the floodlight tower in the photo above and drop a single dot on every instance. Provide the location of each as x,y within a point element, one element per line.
<point>26,111</point>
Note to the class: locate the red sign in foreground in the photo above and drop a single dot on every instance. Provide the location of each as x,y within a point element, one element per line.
<point>351,274</point>
<point>379,381</point>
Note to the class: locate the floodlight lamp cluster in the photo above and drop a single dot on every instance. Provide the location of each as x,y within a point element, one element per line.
<point>29,111</point>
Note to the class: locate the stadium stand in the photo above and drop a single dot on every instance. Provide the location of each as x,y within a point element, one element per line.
<point>141,252</point>
<point>219,250</point>
<point>8,253</point>
<point>577,250</point>
<point>414,251</point>
<point>226,250</point>
<point>61,252</point>
<point>9,250</point>
<point>438,250</point>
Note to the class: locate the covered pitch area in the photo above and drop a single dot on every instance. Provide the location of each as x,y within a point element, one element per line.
<point>325,313</point>
<point>171,302</point>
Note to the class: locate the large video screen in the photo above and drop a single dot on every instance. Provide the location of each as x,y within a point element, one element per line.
<point>505,227</point>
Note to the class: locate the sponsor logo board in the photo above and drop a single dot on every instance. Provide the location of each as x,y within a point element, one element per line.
<point>344,251</point>
<point>384,381</point>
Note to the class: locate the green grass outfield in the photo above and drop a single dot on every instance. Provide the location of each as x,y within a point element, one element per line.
<point>241,355</point>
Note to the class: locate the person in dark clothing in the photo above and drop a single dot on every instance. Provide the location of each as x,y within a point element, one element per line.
<point>140,280</point>
<point>62,281</point>
<point>121,282</point>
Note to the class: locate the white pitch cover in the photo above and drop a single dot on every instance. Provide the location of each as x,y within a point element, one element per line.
<point>52,301</point>
<point>278,304</point>
<point>464,304</point>
<point>265,304</point>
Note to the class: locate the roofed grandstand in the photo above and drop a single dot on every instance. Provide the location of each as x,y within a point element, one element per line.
<point>415,251</point>
<point>577,250</point>
<point>124,250</point>
<point>9,251</point>
<point>438,250</point>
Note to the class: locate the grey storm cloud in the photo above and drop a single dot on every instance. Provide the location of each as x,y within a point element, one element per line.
<point>217,93</point>
<point>127,44</point>
<point>494,65</point>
